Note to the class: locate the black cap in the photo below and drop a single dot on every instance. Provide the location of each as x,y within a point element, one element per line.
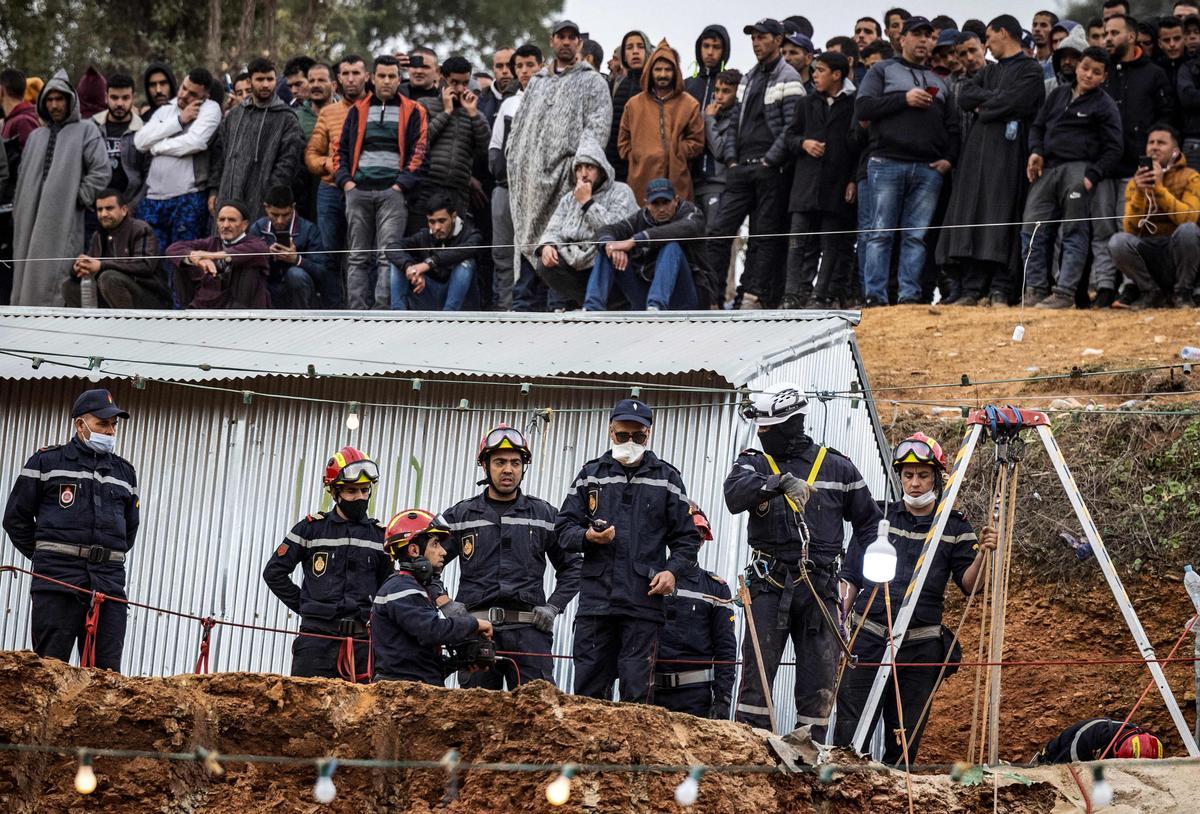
<point>633,410</point>
<point>765,26</point>
<point>563,25</point>
<point>913,23</point>
<point>97,402</point>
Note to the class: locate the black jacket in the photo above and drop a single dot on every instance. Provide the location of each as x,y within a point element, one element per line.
<point>629,86</point>
<point>1187,85</point>
<point>502,558</point>
<point>1085,740</point>
<point>1144,98</point>
<point>344,565</point>
<point>952,556</point>
<point>906,133</point>
<point>648,506</point>
<point>456,141</point>
<point>1084,129</point>
<point>441,255</point>
<point>819,184</point>
<point>70,494</point>
<point>407,632</point>
<point>701,86</point>
<point>699,629</point>
<point>841,496</point>
<point>651,236</point>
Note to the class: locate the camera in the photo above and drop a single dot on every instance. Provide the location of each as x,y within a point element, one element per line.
<point>416,61</point>
<point>471,653</point>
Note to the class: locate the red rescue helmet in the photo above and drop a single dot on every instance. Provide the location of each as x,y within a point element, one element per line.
<point>501,437</point>
<point>348,465</point>
<point>701,521</point>
<point>412,526</point>
<point>1140,745</point>
<point>919,448</point>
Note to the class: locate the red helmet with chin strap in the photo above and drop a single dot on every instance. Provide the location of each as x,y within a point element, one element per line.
<point>919,448</point>
<point>501,437</point>
<point>700,519</point>
<point>411,526</point>
<point>348,465</point>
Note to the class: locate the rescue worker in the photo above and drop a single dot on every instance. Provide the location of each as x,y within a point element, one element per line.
<point>503,539</point>
<point>921,465</point>
<point>624,511</point>
<point>344,565</point>
<point>74,512</point>
<point>798,494</point>
<point>407,632</point>
<point>699,629</point>
<point>1087,740</point>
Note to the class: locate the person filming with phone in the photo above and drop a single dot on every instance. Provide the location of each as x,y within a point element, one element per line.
<point>1158,249</point>
<point>298,262</point>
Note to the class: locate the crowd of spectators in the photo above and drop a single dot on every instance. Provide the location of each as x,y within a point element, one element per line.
<point>914,160</point>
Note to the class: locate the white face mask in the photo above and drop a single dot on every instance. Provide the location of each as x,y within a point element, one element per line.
<point>98,441</point>
<point>920,501</point>
<point>628,454</point>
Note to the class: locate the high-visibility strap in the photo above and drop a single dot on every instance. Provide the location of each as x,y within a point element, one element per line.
<point>812,475</point>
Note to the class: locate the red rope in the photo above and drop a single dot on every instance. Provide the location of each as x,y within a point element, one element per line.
<point>206,625</point>
<point>87,656</point>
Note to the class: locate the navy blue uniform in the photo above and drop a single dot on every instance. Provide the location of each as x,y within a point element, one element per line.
<point>697,629</point>
<point>617,624</point>
<point>344,565</point>
<point>407,632</point>
<point>71,495</point>
<point>925,640</point>
<point>502,564</point>
<point>1086,740</point>
<point>790,611</point>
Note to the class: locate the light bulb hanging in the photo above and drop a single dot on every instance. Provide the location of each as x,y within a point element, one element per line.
<point>559,790</point>
<point>85,778</point>
<point>352,422</point>
<point>879,560</point>
<point>688,791</point>
<point>323,790</point>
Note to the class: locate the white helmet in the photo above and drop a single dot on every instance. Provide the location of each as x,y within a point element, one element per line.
<point>775,404</point>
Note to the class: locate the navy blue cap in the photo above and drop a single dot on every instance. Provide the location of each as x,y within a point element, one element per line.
<point>947,38</point>
<point>660,189</point>
<point>801,41</point>
<point>1027,39</point>
<point>97,402</point>
<point>913,23</point>
<point>765,26</point>
<point>633,410</point>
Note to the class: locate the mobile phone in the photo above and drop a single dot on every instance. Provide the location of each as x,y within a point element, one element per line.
<point>282,238</point>
<point>600,526</point>
<point>933,90</point>
<point>1145,162</point>
<point>416,61</point>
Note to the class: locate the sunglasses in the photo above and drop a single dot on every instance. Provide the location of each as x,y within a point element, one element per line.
<point>635,437</point>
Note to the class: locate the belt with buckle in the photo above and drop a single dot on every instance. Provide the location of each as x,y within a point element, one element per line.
<point>915,634</point>
<point>504,616</point>
<point>671,681</point>
<point>91,553</point>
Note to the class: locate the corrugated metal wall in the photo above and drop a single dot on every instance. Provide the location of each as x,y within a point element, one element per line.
<point>222,481</point>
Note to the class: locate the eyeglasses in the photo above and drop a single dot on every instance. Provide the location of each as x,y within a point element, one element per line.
<point>353,472</point>
<point>636,437</point>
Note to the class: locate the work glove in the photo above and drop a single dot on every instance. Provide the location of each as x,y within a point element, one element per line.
<point>795,488</point>
<point>452,608</point>
<point>719,711</point>
<point>543,618</point>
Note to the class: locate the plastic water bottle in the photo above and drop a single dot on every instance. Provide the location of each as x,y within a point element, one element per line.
<point>1190,354</point>
<point>87,293</point>
<point>1191,581</point>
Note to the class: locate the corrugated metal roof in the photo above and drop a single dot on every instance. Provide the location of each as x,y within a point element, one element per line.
<point>735,346</point>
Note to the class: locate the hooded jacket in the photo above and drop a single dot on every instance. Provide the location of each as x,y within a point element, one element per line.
<point>659,137</point>
<point>93,93</point>
<point>1144,98</point>
<point>255,149</point>
<point>1075,41</point>
<point>19,123</point>
<point>157,67</point>
<point>701,87</point>
<point>629,86</point>
<point>573,228</point>
<point>63,167</point>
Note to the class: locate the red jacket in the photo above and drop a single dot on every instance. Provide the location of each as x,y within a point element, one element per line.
<point>411,139</point>
<point>22,121</point>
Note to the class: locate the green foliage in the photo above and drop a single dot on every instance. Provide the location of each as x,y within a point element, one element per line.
<point>1082,10</point>
<point>40,36</point>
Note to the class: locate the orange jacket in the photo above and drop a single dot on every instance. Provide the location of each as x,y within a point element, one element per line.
<point>658,137</point>
<point>1176,202</point>
<point>412,140</point>
<point>323,143</point>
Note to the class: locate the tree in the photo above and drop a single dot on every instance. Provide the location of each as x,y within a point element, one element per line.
<point>1082,11</point>
<point>224,34</point>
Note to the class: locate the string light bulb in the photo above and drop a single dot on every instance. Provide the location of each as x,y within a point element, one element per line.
<point>688,791</point>
<point>85,778</point>
<point>879,560</point>
<point>352,422</point>
<point>1102,791</point>
<point>323,790</point>
<point>559,790</point>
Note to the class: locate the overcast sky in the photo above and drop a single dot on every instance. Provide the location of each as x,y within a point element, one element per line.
<point>681,21</point>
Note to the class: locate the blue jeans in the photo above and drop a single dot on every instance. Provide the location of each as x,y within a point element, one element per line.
<point>293,289</point>
<point>673,287</point>
<point>331,221</point>
<point>903,194</point>
<point>452,295</point>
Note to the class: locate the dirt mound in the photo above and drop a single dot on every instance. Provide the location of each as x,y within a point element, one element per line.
<point>51,703</point>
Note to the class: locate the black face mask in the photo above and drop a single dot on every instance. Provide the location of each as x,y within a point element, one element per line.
<point>786,440</point>
<point>354,510</point>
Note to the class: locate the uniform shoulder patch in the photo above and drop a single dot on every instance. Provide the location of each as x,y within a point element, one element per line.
<point>315,516</point>
<point>49,447</point>
<point>829,450</point>
<point>750,451</point>
<point>717,578</point>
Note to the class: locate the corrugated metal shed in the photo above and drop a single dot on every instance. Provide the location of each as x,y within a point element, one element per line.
<point>223,479</point>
